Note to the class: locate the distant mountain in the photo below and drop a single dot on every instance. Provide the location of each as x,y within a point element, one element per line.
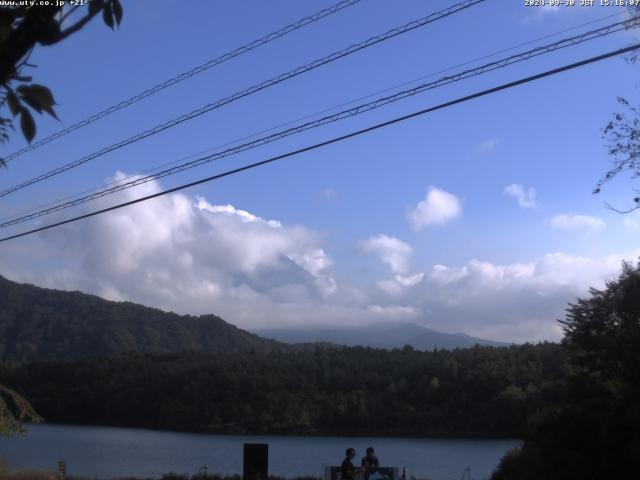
<point>379,336</point>
<point>44,324</point>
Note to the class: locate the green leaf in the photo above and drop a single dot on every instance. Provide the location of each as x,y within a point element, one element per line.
<point>42,93</point>
<point>107,15</point>
<point>27,125</point>
<point>32,103</point>
<point>14,103</point>
<point>117,11</point>
<point>94,6</point>
<point>51,112</point>
<point>39,98</point>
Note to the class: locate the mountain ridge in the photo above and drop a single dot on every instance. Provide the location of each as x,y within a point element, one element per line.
<point>46,324</point>
<point>382,335</point>
<point>43,324</point>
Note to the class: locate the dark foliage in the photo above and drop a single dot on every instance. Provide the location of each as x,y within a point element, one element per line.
<point>203,476</point>
<point>44,324</point>
<point>474,392</point>
<point>22,28</point>
<point>592,430</point>
<point>622,135</point>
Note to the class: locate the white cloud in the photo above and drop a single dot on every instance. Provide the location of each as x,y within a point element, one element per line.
<point>231,211</point>
<point>190,256</point>
<point>317,263</point>
<point>546,273</point>
<point>576,222</point>
<point>394,311</point>
<point>183,255</point>
<point>512,302</point>
<point>398,284</point>
<point>438,207</point>
<point>313,261</point>
<point>632,220</point>
<point>489,145</point>
<point>410,280</point>
<point>395,253</point>
<point>525,198</point>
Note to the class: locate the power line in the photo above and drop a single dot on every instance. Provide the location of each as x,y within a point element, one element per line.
<point>502,63</point>
<point>188,74</point>
<point>305,117</point>
<point>256,88</point>
<point>356,133</point>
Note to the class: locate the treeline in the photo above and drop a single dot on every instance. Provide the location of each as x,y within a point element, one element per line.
<point>592,428</point>
<point>474,392</point>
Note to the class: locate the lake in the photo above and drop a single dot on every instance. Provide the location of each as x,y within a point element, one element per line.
<point>107,452</point>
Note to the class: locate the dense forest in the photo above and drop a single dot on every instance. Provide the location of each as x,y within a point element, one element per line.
<point>592,429</point>
<point>44,324</point>
<point>476,392</point>
<point>575,404</point>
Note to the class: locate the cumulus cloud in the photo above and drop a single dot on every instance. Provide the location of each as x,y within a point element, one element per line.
<point>191,256</point>
<point>398,284</point>
<point>394,311</point>
<point>525,198</point>
<point>516,301</point>
<point>576,222</point>
<point>437,208</point>
<point>632,221</point>
<point>395,253</point>
<point>184,255</point>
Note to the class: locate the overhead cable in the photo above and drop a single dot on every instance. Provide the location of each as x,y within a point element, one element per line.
<point>356,133</point>
<point>305,117</point>
<point>256,88</point>
<point>188,74</point>
<point>575,40</point>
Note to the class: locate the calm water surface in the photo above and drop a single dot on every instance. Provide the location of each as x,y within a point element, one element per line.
<point>111,452</point>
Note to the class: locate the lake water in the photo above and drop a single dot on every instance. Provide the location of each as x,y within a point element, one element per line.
<point>107,452</point>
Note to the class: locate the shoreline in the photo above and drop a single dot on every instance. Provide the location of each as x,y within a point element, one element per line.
<point>398,436</point>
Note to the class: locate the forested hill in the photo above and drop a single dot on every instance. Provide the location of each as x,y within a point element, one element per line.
<point>44,324</point>
<point>472,392</point>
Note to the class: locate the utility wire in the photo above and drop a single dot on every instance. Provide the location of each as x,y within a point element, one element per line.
<point>188,74</point>
<point>356,133</point>
<point>306,117</point>
<point>328,119</point>
<point>256,88</point>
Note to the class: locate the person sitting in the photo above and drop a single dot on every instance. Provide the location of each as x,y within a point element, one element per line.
<point>370,462</point>
<point>347,470</point>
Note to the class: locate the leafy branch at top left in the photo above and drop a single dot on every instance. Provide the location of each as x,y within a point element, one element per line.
<point>21,30</point>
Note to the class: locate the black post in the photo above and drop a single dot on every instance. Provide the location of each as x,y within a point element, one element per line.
<point>256,461</point>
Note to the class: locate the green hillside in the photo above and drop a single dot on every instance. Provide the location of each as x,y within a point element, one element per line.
<point>44,324</point>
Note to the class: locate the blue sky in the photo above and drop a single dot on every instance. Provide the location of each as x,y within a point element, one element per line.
<point>477,218</point>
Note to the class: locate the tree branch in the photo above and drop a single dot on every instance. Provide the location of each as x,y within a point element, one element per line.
<point>80,23</point>
<point>32,29</point>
